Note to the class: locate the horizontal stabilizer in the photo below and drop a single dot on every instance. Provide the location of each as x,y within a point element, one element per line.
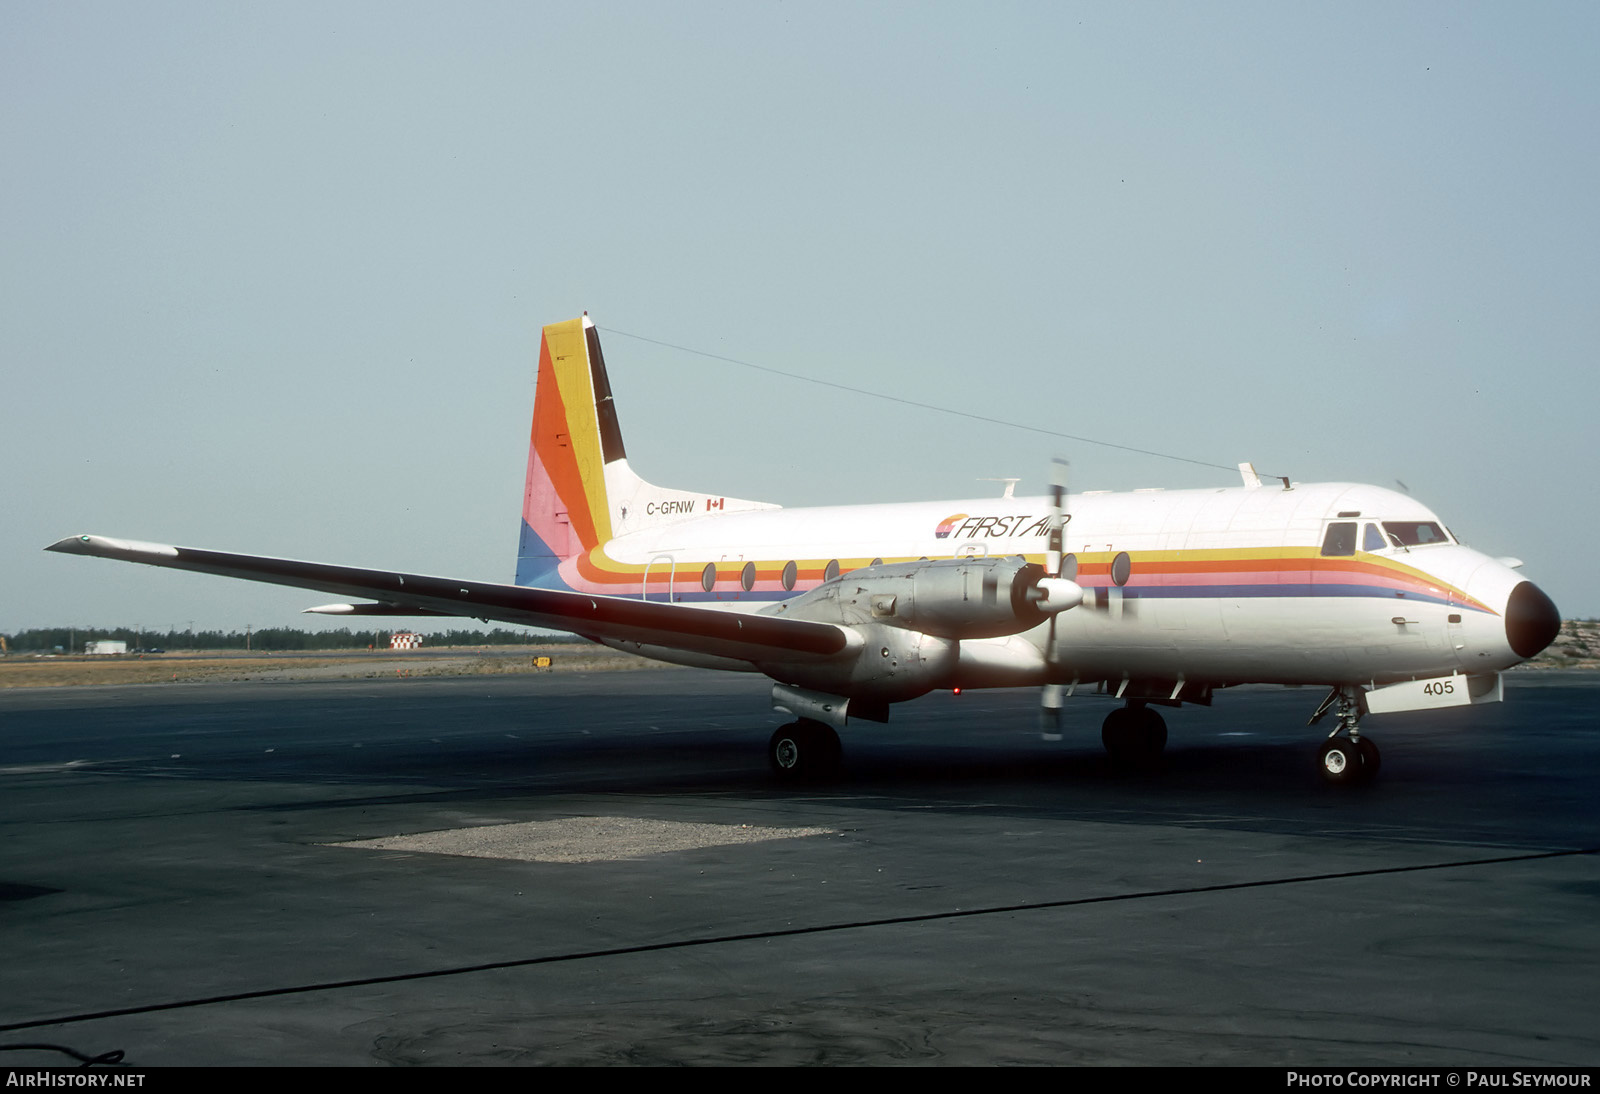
<point>370,609</point>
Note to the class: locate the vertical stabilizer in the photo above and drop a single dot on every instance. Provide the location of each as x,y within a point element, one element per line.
<point>580,491</point>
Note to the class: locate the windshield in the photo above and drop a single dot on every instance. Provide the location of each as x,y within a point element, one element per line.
<point>1414,533</point>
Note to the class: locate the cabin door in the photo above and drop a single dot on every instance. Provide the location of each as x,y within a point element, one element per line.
<point>657,581</point>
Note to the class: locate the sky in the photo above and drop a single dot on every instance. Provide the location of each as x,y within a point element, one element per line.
<point>272,275</point>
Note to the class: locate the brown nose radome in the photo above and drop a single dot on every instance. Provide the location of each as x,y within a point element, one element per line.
<point>1532,620</point>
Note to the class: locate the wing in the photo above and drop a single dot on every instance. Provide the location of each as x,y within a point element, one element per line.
<point>675,626</point>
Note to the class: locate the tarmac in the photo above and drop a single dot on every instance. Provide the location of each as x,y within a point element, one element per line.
<point>600,869</point>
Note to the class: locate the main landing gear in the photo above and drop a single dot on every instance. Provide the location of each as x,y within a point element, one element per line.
<point>1134,735</point>
<point>804,750</point>
<point>1346,758</point>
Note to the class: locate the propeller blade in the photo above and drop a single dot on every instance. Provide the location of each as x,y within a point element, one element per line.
<point>1058,492</point>
<point>1050,713</point>
<point>1050,701</point>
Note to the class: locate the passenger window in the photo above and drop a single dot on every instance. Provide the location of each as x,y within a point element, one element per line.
<point>1372,539</point>
<point>747,577</point>
<point>831,571</point>
<point>790,573</point>
<point>1121,568</point>
<point>708,576</point>
<point>1340,540</point>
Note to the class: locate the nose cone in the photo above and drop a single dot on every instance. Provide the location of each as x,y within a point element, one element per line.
<point>1531,620</point>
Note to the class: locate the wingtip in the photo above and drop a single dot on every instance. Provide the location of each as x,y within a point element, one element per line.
<point>107,547</point>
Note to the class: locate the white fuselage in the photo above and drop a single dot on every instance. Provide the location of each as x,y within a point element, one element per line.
<point>1218,586</point>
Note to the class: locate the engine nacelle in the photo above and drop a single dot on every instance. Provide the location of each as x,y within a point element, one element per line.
<point>951,598</point>
<point>911,618</point>
<point>891,665</point>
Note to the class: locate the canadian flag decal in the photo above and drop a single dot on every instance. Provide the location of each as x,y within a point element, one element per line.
<point>714,503</point>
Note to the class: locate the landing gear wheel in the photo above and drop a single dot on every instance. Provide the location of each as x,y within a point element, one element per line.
<point>804,750</point>
<point>1370,760</point>
<point>1134,736</point>
<point>1346,758</point>
<point>1342,762</point>
<point>1114,732</point>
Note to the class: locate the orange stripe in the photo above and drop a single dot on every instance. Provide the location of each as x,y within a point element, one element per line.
<point>569,362</point>
<point>597,567</point>
<point>552,439</point>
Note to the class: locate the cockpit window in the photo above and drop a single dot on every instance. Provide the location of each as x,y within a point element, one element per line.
<point>1372,539</point>
<point>1340,539</point>
<point>1414,533</point>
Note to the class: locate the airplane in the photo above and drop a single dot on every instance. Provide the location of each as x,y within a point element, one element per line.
<point>1153,598</point>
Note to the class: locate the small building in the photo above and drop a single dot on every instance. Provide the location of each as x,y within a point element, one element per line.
<point>405,640</point>
<point>104,645</point>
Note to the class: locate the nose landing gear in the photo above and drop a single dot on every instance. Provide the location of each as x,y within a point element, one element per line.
<point>1346,758</point>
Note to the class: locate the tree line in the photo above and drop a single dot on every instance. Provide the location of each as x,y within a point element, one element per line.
<point>72,639</point>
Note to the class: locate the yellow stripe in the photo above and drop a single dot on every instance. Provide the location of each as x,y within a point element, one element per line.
<point>605,564</point>
<point>569,356</point>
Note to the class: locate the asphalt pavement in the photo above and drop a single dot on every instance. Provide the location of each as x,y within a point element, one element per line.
<point>322,873</point>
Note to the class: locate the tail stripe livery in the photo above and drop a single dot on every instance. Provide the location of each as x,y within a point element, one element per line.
<point>575,435</point>
<point>580,491</point>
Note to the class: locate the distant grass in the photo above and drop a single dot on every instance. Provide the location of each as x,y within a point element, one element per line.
<point>1578,646</point>
<point>25,671</point>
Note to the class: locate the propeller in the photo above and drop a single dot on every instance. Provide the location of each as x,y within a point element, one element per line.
<point>1050,700</point>
<point>1106,600</point>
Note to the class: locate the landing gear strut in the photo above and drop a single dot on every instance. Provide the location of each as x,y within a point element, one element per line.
<point>1134,735</point>
<point>804,750</point>
<point>1346,757</point>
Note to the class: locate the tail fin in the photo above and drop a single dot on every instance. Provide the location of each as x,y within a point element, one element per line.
<point>580,492</point>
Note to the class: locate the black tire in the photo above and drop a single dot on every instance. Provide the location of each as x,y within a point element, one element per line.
<point>1134,736</point>
<point>787,752</point>
<point>1116,733</point>
<point>1340,762</point>
<point>804,750</point>
<point>832,750</point>
<point>1371,761</point>
<point>1151,736</point>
